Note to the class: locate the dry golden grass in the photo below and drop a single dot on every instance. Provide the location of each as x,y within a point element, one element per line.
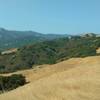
<point>74,79</point>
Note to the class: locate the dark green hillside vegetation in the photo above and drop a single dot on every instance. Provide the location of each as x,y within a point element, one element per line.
<point>11,82</point>
<point>49,52</point>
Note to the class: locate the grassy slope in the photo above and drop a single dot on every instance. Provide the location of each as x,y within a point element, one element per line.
<point>74,79</point>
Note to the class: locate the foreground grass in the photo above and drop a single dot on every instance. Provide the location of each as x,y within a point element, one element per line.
<point>75,79</point>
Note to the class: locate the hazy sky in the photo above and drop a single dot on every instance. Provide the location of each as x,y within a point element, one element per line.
<point>51,16</point>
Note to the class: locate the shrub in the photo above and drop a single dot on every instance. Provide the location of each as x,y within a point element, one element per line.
<point>11,82</point>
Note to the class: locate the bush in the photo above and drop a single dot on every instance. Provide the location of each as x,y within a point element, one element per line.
<point>11,82</point>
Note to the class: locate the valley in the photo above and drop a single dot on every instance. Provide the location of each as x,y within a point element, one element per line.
<point>15,39</point>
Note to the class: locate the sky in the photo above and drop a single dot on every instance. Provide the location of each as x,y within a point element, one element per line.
<point>51,16</point>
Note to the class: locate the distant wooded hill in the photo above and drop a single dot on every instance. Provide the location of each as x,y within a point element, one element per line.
<point>50,52</point>
<point>13,39</point>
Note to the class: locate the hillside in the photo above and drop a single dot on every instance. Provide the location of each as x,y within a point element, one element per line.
<point>49,52</point>
<point>12,38</point>
<point>73,79</point>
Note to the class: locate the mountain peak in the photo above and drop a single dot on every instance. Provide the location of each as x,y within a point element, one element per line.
<point>2,29</point>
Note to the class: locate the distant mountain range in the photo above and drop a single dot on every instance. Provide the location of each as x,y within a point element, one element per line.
<point>12,39</point>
